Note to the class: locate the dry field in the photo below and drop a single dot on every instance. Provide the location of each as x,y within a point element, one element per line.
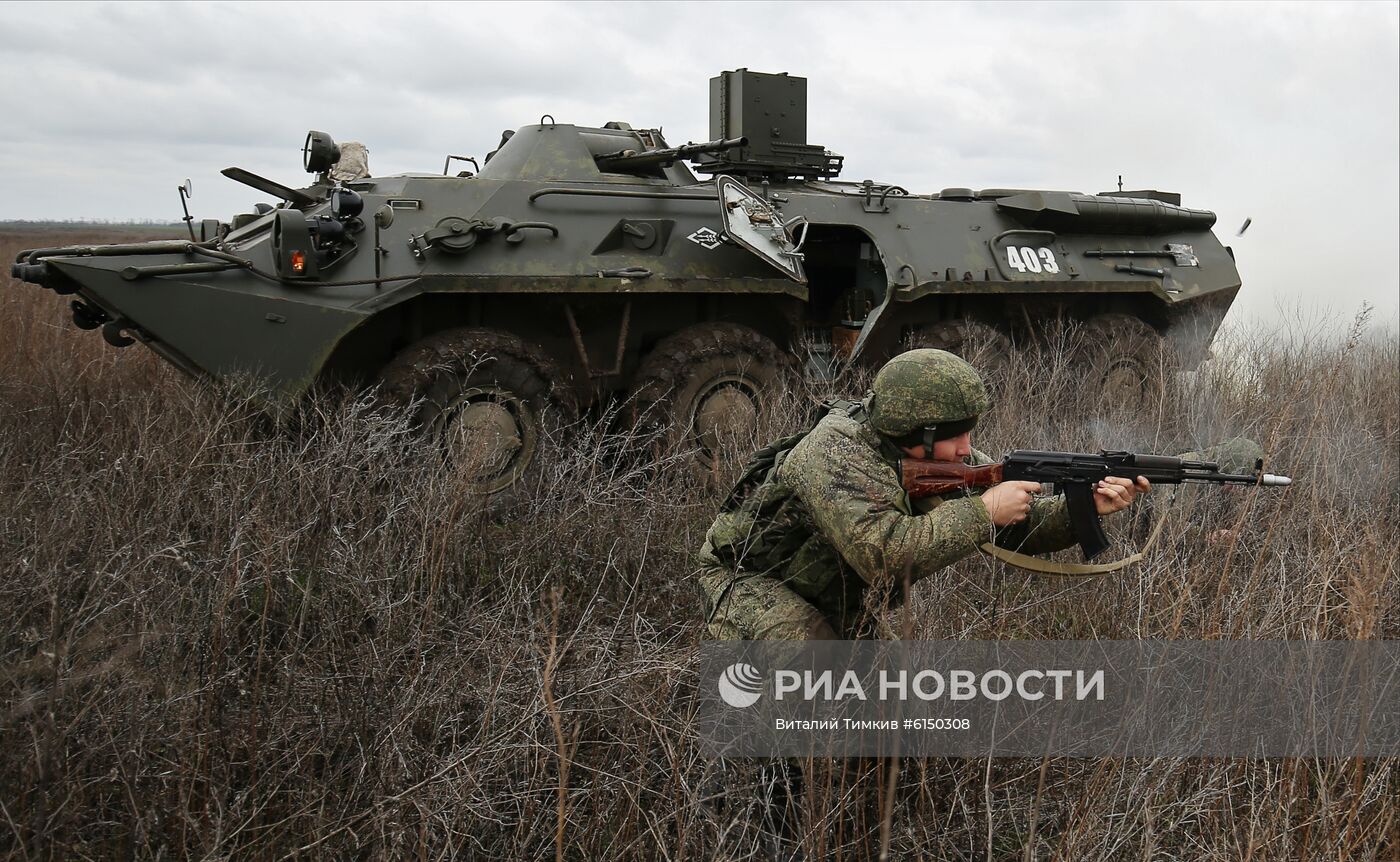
<point>227,638</point>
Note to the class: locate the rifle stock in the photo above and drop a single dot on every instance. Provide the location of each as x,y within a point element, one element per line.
<point>932,478</point>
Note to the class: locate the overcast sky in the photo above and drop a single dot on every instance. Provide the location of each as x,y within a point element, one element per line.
<point>1283,113</point>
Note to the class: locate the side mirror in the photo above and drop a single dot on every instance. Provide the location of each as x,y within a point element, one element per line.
<point>383,217</point>
<point>186,189</point>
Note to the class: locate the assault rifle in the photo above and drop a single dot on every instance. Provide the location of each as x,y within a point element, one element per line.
<point>1074,475</point>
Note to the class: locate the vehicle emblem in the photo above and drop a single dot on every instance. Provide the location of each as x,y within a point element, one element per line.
<point>705,238</point>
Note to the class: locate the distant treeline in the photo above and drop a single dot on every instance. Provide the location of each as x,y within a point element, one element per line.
<point>145,226</point>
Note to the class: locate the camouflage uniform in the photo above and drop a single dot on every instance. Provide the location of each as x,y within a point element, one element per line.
<point>1208,508</point>
<point>828,527</point>
<point>353,164</point>
<point>1236,455</point>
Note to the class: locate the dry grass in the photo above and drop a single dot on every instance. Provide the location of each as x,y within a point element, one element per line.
<point>221,638</point>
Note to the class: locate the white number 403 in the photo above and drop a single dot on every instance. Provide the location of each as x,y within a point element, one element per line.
<point>1027,259</point>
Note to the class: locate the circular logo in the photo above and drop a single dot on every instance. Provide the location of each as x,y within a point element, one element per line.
<point>740,685</point>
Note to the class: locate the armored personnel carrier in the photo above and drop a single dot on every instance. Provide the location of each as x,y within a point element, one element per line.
<point>577,264</point>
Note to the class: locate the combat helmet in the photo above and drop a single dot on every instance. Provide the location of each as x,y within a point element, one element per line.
<point>926,395</point>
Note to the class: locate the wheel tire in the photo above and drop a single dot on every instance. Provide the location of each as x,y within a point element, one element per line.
<point>487,398</point>
<point>1126,364</point>
<point>983,345</point>
<point>707,384</point>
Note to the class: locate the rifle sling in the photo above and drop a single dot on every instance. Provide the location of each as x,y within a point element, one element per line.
<point>1073,570</point>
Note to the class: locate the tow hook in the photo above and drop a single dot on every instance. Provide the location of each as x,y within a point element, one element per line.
<point>113,332</point>
<point>86,316</point>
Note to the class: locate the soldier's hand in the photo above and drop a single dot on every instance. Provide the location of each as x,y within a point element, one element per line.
<point>1115,494</point>
<point>1009,502</point>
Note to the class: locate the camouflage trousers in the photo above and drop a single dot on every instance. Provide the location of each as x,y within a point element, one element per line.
<point>753,607</point>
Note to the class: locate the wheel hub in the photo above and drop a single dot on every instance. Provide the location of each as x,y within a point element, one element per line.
<point>490,436</point>
<point>725,412</point>
<point>1123,384</point>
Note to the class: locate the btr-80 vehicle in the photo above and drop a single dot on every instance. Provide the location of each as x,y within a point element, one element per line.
<point>578,264</point>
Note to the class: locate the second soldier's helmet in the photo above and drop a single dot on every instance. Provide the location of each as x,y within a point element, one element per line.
<point>925,395</point>
<point>1236,455</point>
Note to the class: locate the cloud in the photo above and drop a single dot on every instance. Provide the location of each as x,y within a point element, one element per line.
<point>1283,113</point>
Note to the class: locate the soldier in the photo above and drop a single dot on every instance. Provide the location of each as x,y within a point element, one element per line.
<point>1236,455</point>
<point>820,520</point>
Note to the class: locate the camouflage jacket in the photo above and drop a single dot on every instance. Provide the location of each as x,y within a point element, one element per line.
<point>830,520</point>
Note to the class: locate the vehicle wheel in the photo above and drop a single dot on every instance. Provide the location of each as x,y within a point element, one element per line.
<point>1127,365</point>
<point>987,348</point>
<point>709,384</point>
<point>487,398</point>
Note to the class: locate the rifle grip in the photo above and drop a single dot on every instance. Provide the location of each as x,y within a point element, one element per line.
<point>1084,518</point>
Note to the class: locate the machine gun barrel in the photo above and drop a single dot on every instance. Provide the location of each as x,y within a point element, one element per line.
<point>627,160</point>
